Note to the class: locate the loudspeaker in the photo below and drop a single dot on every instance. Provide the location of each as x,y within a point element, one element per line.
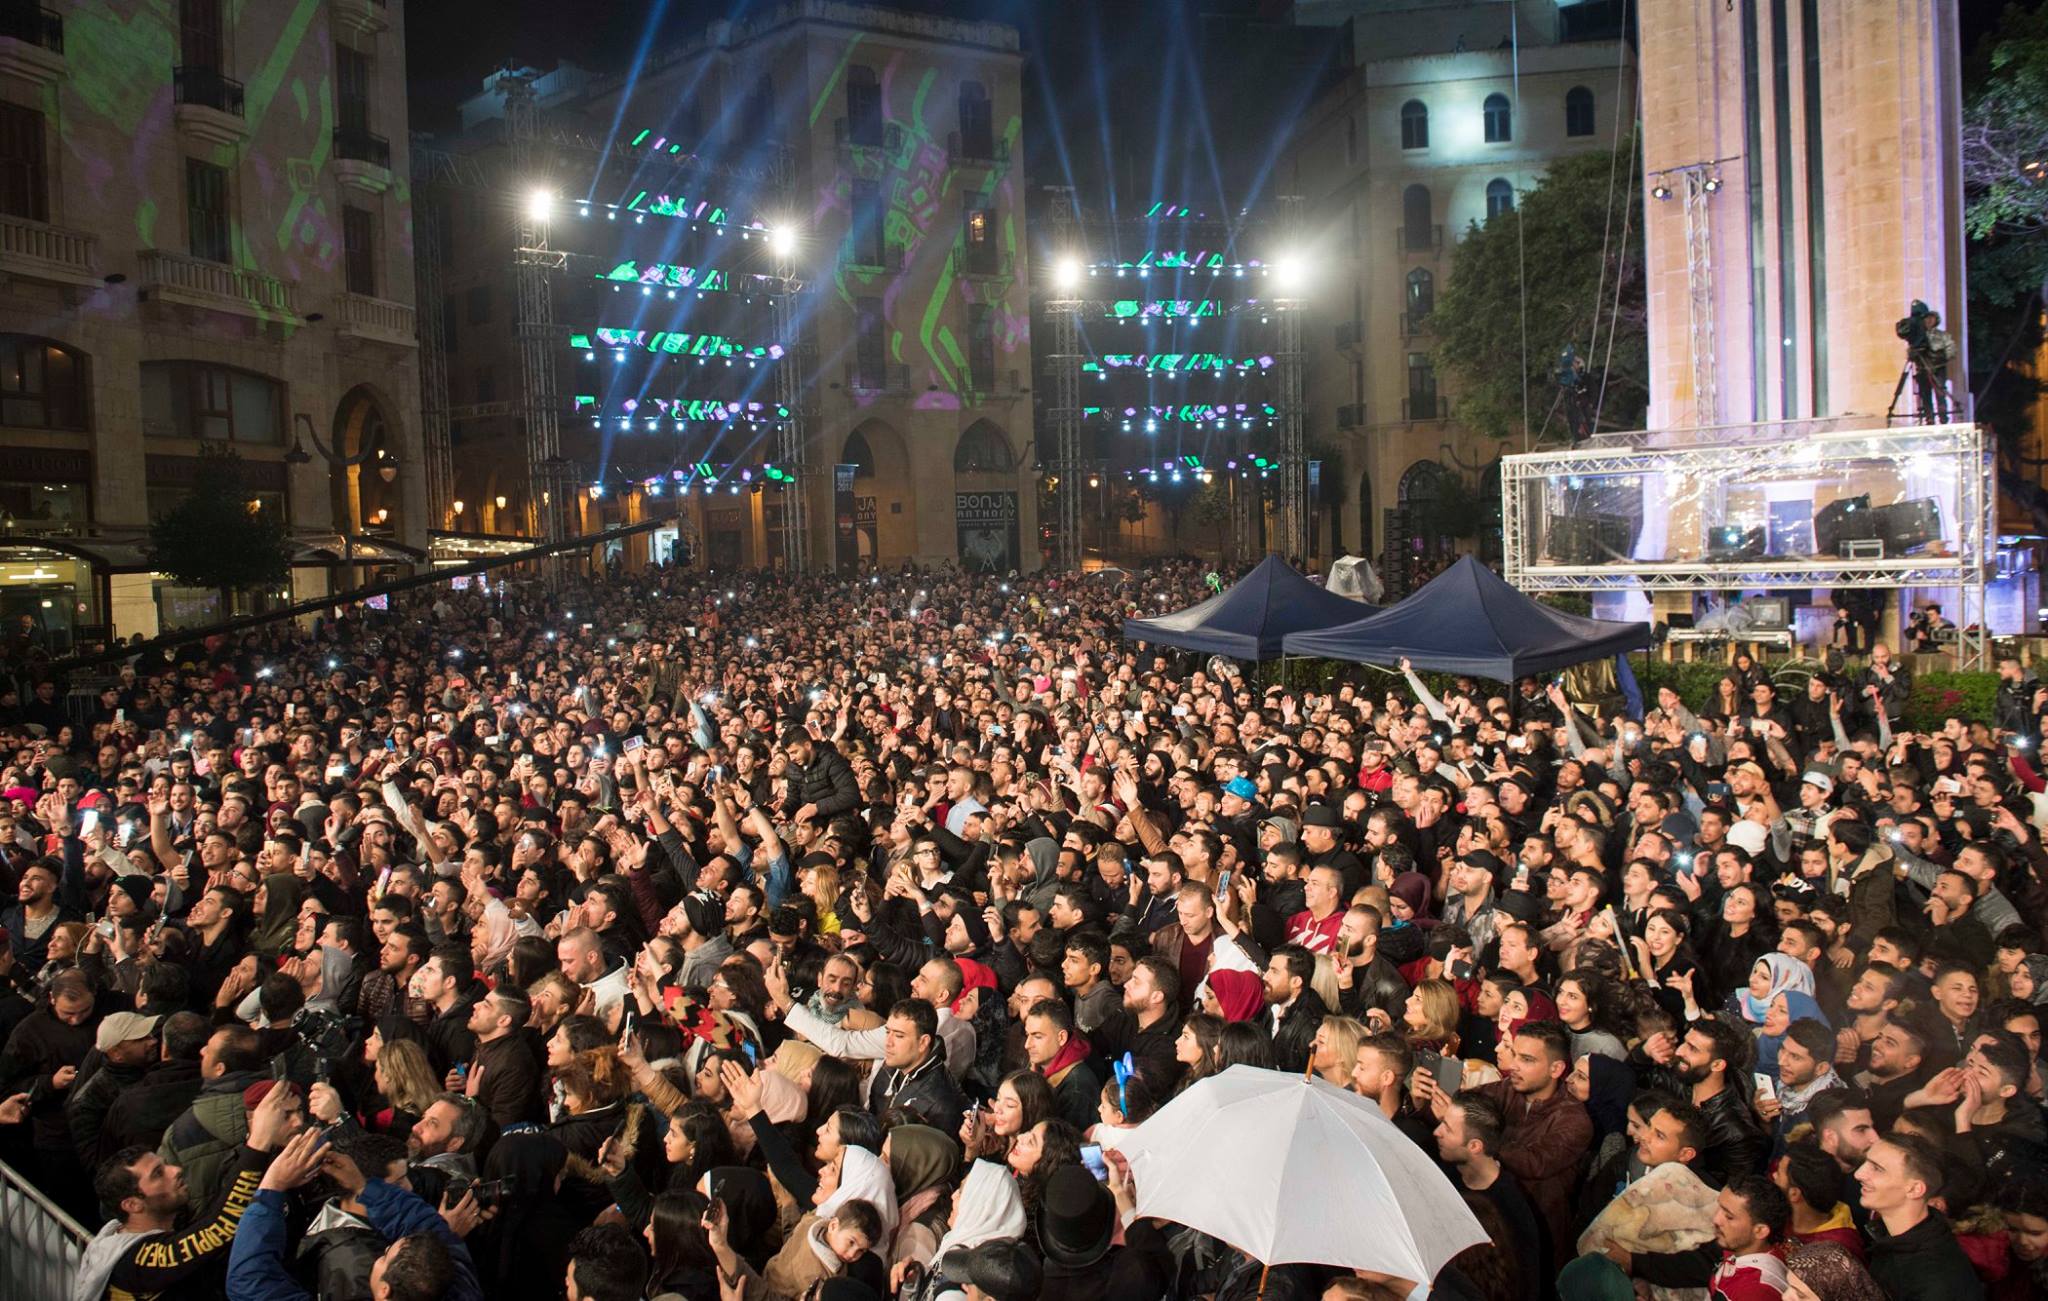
<point>1846,519</point>
<point>1908,524</point>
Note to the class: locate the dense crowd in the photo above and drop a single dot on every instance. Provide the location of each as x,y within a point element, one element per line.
<point>747,938</point>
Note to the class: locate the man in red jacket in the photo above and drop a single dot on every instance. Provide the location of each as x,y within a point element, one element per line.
<point>1549,1134</point>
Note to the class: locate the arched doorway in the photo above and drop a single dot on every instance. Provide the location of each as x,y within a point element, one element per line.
<point>365,491</point>
<point>986,506</point>
<point>884,493</point>
<point>1417,544</point>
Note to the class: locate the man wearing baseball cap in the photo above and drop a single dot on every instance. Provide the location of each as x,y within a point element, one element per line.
<point>124,1046</point>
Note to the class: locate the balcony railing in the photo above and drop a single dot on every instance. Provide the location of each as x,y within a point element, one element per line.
<point>891,258</point>
<point>1421,239</point>
<point>893,378</point>
<point>977,266</point>
<point>1351,416</point>
<point>34,25</point>
<point>1350,335</point>
<point>377,318</point>
<point>362,147</point>
<point>1425,407</point>
<point>983,150</point>
<point>207,88</point>
<point>891,137</point>
<point>1414,321</point>
<point>35,245</point>
<point>174,277</point>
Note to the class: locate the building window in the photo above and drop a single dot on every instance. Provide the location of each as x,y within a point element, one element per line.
<point>870,344</point>
<point>359,250</point>
<point>867,224</point>
<point>352,91</point>
<point>977,122</point>
<point>1500,197</point>
<point>480,305</point>
<point>217,404</point>
<point>760,114</point>
<point>1417,231</point>
<point>1421,387</point>
<point>1421,294</point>
<point>981,347</point>
<point>42,384</point>
<point>1415,125</point>
<point>1500,120</point>
<point>1578,111</point>
<point>863,107</point>
<point>24,171</point>
<point>978,240</point>
<point>981,450</point>
<point>199,34</point>
<point>206,211</point>
<point>1351,142</point>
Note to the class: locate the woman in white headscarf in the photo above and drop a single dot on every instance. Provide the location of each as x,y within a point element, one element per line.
<point>987,1208</point>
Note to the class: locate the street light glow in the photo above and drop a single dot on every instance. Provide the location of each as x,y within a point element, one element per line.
<point>1287,273</point>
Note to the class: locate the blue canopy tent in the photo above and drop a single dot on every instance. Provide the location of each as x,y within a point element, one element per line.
<point>1469,620</point>
<point>1248,620</point>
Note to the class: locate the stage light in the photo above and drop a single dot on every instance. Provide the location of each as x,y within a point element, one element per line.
<point>1066,273</point>
<point>1660,191</point>
<point>1711,184</point>
<point>782,240</point>
<point>1287,273</point>
<point>540,204</point>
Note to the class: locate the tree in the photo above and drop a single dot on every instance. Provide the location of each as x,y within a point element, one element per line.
<point>1571,245</point>
<point>217,536</point>
<point>2005,179</point>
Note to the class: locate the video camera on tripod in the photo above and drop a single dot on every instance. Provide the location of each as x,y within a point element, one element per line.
<point>1929,350</point>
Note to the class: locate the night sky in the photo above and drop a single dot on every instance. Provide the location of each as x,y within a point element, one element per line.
<point>1096,76</point>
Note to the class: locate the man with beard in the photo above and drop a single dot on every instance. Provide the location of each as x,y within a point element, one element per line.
<point>1702,1067</point>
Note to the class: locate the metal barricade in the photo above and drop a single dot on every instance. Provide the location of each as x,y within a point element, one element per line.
<point>40,1246</point>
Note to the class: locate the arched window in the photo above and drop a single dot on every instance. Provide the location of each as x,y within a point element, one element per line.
<point>1421,294</point>
<point>1500,120</point>
<point>1578,111</point>
<point>981,450</point>
<point>42,384</point>
<point>1423,481</point>
<point>1415,224</point>
<point>1500,197</point>
<point>1415,125</point>
<point>859,455</point>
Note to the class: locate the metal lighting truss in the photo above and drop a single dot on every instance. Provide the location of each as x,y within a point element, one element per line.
<point>548,493</point>
<point>1294,505</point>
<point>1065,315</point>
<point>1749,454</point>
<point>427,234</point>
<point>792,451</point>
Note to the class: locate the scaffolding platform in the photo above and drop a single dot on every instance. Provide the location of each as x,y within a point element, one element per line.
<point>1776,506</point>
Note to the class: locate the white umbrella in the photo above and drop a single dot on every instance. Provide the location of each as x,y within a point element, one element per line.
<point>1292,1170</point>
